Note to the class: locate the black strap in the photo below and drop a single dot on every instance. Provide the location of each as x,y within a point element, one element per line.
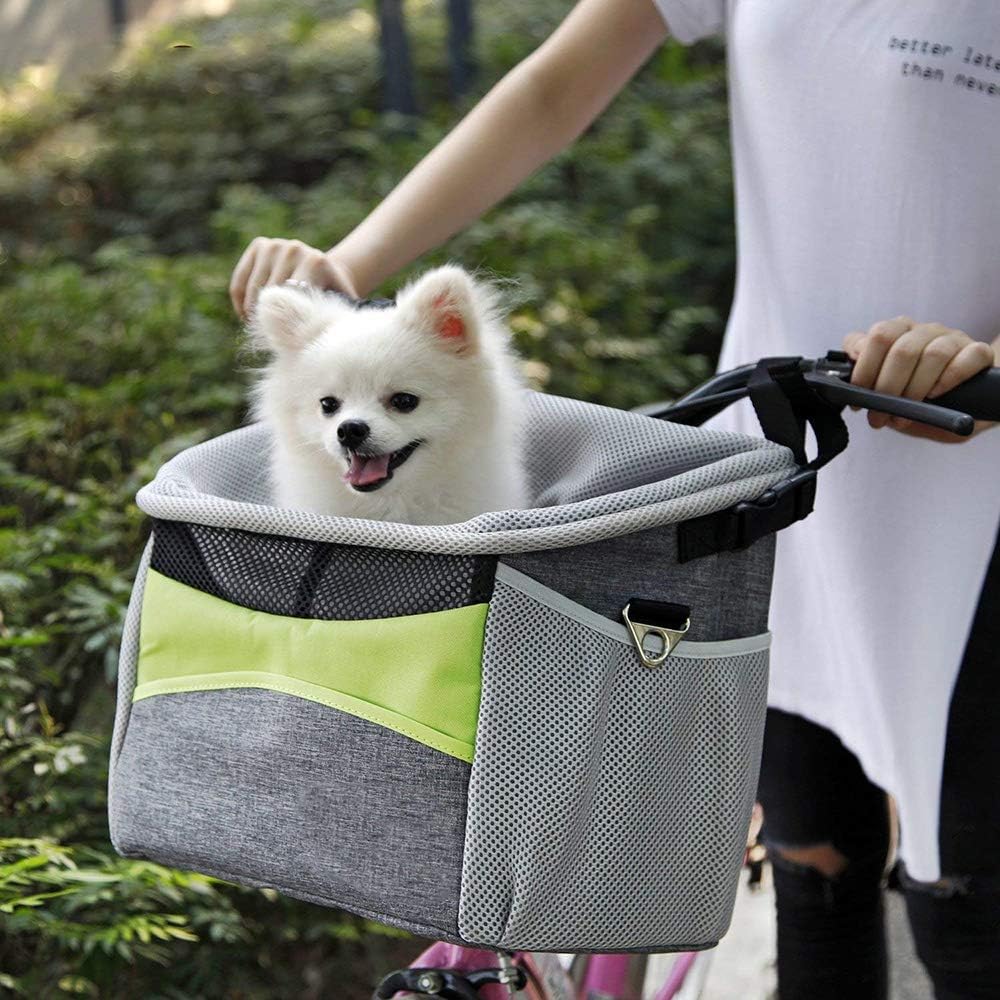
<point>659,614</point>
<point>784,405</point>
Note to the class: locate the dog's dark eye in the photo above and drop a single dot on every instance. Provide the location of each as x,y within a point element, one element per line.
<point>329,405</point>
<point>405,402</point>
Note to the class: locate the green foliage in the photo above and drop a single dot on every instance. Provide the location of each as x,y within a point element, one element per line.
<point>122,210</point>
<point>99,926</point>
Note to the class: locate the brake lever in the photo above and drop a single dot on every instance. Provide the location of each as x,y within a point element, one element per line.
<point>830,379</point>
<point>834,390</point>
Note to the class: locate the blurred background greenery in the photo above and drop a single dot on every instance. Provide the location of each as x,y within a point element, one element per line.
<point>125,200</point>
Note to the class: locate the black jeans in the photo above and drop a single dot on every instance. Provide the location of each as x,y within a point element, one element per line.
<point>831,935</point>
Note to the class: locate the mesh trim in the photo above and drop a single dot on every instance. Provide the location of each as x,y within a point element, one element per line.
<point>697,650</point>
<point>303,579</point>
<point>594,473</point>
<point>128,658</point>
<point>609,803</point>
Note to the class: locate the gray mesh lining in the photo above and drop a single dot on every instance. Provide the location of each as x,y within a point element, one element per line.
<point>609,804</point>
<point>319,580</point>
<point>595,473</point>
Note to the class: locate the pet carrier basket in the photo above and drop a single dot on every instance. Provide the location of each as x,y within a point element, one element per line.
<point>452,728</point>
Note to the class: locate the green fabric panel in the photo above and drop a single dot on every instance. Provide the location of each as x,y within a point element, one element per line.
<point>419,675</point>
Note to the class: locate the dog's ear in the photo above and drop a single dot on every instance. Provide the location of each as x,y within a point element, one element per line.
<point>444,304</point>
<point>284,319</point>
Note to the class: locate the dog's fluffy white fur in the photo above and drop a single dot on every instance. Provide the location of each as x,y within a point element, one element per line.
<point>333,364</point>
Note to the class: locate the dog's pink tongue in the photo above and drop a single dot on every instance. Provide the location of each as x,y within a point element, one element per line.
<point>367,469</point>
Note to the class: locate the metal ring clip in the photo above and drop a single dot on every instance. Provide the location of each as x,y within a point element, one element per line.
<point>668,636</point>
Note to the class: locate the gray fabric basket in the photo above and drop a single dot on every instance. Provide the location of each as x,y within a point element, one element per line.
<point>586,802</point>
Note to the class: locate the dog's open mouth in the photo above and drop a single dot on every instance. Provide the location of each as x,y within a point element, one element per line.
<point>369,472</point>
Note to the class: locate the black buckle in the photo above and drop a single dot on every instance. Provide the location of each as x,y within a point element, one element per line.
<point>777,508</point>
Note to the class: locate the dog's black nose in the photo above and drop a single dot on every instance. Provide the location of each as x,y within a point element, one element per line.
<point>352,432</point>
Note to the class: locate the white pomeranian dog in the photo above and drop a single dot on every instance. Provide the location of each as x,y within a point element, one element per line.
<point>409,412</point>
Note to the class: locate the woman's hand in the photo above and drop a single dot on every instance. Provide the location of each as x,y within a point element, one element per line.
<point>272,262</point>
<point>918,361</point>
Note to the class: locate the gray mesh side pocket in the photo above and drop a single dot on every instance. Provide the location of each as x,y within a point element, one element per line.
<point>608,803</point>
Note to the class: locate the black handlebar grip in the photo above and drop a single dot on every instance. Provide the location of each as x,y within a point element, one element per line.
<point>978,396</point>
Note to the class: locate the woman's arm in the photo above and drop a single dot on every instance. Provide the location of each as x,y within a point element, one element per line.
<point>532,114</point>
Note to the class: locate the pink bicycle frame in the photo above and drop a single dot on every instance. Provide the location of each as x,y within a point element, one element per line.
<point>607,977</point>
<point>610,977</point>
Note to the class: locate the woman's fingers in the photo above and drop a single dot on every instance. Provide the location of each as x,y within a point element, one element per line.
<point>274,261</point>
<point>874,346</point>
<point>916,360</point>
<point>269,261</point>
<point>316,268</point>
<point>973,358</point>
<point>240,277</point>
<point>258,278</point>
<point>305,270</point>
<point>873,351</point>
<point>286,260</point>
<point>853,343</point>
<point>937,354</point>
<point>905,357</point>
<point>324,271</point>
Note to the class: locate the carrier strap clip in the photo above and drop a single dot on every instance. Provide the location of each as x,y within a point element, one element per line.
<point>667,622</point>
<point>738,527</point>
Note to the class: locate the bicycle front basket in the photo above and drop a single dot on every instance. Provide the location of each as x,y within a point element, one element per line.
<point>450,728</point>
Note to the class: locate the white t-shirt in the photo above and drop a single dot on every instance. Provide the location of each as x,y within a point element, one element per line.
<point>866,145</point>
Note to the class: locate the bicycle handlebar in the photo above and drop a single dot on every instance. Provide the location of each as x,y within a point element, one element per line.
<point>978,398</point>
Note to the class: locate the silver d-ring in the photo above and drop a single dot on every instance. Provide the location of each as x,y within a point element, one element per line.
<point>668,636</point>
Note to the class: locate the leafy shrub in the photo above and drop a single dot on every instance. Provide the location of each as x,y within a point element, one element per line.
<point>97,926</point>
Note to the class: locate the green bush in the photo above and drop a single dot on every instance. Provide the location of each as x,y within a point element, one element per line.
<point>122,210</point>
